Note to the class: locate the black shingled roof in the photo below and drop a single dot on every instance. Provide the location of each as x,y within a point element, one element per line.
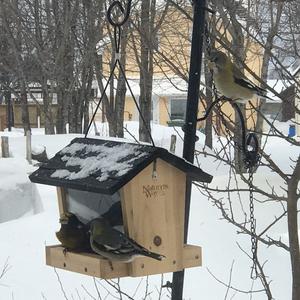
<point>88,149</point>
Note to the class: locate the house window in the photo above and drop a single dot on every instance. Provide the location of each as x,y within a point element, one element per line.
<point>177,109</point>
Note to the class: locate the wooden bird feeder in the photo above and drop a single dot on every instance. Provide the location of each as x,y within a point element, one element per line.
<point>92,174</point>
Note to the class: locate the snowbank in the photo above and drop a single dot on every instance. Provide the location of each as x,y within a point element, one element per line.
<point>18,196</point>
<point>23,240</point>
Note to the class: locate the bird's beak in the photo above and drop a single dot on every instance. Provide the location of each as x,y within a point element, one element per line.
<point>63,220</point>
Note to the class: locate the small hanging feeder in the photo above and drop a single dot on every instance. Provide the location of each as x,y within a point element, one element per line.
<point>93,174</point>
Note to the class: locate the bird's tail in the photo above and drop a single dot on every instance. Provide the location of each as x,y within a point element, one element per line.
<point>143,251</point>
<point>153,255</point>
<point>266,97</point>
<point>262,93</point>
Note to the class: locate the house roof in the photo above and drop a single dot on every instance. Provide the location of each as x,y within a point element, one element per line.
<point>105,166</point>
<point>161,86</point>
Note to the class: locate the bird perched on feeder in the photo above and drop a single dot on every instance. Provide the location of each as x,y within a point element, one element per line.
<point>114,245</point>
<point>73,234</point>
<point>230,81</point>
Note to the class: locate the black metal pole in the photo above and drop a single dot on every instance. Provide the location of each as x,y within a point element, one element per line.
<point>191,120</point>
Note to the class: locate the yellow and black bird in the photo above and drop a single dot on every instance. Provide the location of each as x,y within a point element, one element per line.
<point>73,234</point>
<point>230,81</point>
<point>114,245</point>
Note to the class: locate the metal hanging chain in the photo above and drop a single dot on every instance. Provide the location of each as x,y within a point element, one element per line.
<point>117,24</point>
<point>250,147</point>
<point>254,271</point>
<point>207,34</point>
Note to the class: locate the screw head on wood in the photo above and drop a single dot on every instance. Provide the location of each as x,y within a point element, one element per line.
<point>157,240</point>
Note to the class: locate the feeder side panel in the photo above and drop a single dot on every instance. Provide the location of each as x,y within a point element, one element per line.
<point>61,198</point>
<point>154,216</point>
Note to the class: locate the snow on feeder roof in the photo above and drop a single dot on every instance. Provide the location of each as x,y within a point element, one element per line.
<point>105,166</point>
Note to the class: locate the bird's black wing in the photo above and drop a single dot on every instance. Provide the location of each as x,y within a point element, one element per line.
<point>249,85</point>
<point>142,250</point>
<point>116,242</point>
<point>110,239</point>
<point>133,243</point>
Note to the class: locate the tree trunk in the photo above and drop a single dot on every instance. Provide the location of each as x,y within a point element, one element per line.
<point>9,110</point>
<point>49,124</point>
<point>266,60</point>
<point>292,216</point>
<point>61,120</point>
<point>86,114</point>
<point>24,107</point>
<point>120,104</point>
<point>86,99</point>
<point>121,87</point>
<point>65,26</point>
<point>98,66</point>
<point>146,73</point>
<point>74,117</point>
<point>114,105</point>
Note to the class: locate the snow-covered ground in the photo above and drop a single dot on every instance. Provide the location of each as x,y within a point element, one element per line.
<point>23,239</point>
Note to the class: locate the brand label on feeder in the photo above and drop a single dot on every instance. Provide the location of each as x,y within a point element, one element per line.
<point>155,190</point>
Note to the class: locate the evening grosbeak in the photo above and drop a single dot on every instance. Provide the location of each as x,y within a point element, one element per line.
<point>114,245</point>
<point>73,234</point>
<point>230,81</point>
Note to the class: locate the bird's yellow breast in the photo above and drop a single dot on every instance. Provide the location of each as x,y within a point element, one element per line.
<point>225,84</point>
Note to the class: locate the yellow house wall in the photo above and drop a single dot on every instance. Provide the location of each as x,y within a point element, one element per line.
<point>34,111</point>
<point>130,111</point>
<point>163,111</point>
<point>176,47</point>
<point>173,44</point>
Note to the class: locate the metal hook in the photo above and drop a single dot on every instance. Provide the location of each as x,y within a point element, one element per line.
<point>118,4</point>
<point>251,150</point>
<point>251,156</point>
<point>252,141</point>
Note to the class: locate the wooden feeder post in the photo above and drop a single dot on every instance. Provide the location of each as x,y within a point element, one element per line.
<point>5,146</point>
<point>191,121</point>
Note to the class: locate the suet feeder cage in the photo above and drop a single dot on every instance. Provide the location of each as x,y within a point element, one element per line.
<point>150,182</point>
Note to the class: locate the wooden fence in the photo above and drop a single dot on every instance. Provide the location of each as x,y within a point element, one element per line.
<point>36,115</point>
